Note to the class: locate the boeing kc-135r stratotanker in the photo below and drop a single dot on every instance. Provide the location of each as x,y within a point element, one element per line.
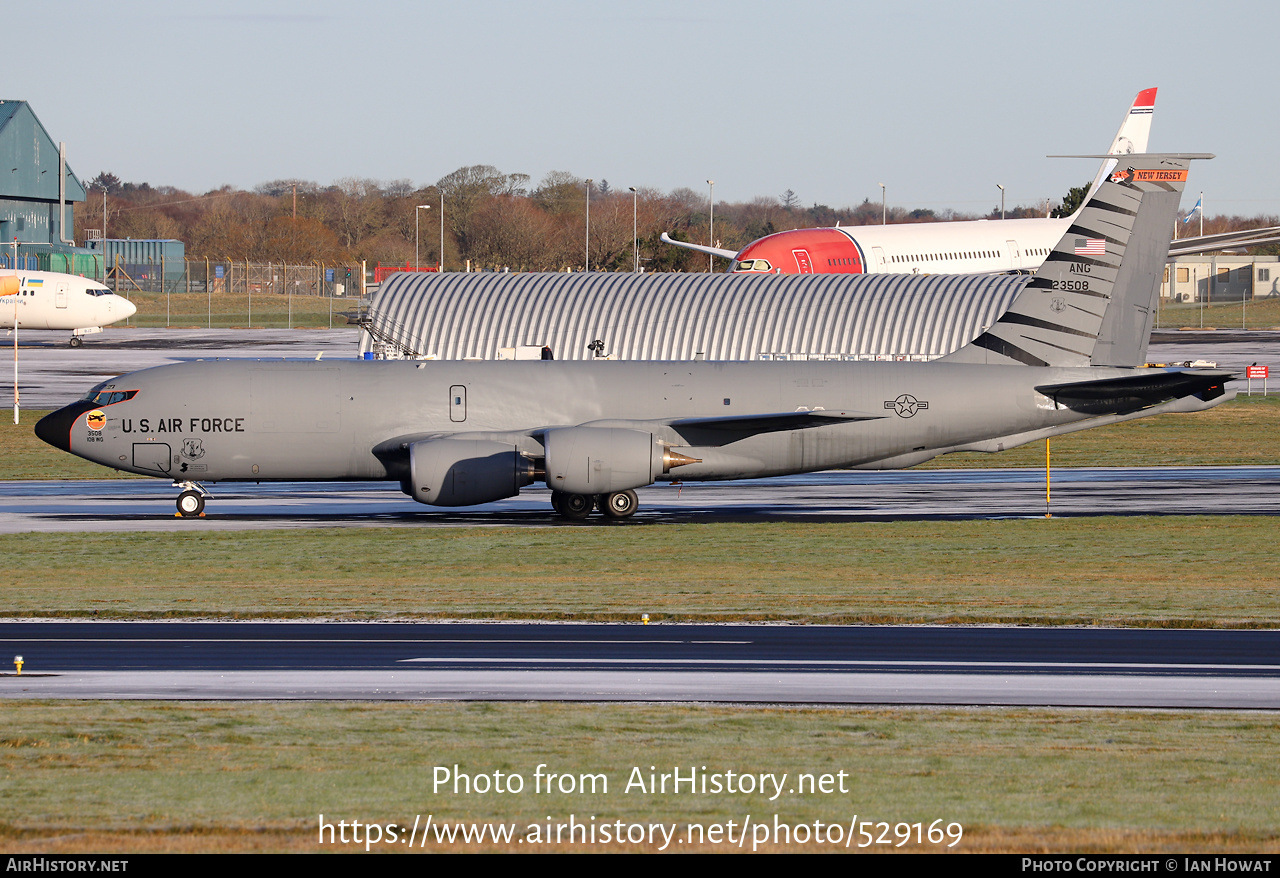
<point>1064,357</point>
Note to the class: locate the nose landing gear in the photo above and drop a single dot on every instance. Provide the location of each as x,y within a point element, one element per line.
<point>191,500</point>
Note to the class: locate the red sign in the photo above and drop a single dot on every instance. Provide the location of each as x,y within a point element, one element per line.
<point>1256,372</point>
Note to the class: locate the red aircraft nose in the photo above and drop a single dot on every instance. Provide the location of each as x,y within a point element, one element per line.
<point>802,251</point>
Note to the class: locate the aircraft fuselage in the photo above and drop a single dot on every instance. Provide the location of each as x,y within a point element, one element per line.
<point>243,420</point>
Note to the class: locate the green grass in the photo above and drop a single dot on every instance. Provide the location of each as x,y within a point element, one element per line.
<point>1175,571</point>
<point>225,310</point>
<point>1259,314</point>
<point>1243,431</point>
<point>196,776</point>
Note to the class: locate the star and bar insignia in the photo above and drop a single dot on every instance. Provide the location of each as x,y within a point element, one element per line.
<point>906,405</point>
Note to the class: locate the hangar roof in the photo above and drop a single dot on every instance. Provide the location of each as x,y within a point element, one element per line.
<point>681,316</point>
<point>32,155</point>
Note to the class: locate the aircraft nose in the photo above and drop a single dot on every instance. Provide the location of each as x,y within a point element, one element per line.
<point>55,427</point>
<point>129,309</point>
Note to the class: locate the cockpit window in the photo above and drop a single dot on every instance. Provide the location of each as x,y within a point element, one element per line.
<point>99,291</point>
<point>753,265</point>
<point>110,397</point>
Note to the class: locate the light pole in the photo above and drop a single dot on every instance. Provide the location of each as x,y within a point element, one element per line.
<point>635,228</point>
<point>711,227</point>
<point>587,262</point>
<point>884,214</point>
<point>415,232</point>
<point>1001,188</point>
<point>16,333</point>
<point>440,265</point>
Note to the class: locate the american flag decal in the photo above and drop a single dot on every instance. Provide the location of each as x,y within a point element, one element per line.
<point>1091,247</point>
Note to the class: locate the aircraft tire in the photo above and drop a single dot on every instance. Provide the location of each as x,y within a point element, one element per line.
<point>576,506</point>
<point>76,341</point>
<point>620,504</point>
<point>190,504</point>
<point>556,497</point>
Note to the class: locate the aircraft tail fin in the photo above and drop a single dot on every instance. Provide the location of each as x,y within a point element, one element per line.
<point>1091,301</point>
<point>1132,137</point>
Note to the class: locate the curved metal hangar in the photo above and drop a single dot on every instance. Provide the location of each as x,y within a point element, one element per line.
<point>498,316</point>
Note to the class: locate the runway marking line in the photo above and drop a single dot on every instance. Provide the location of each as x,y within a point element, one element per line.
<point>856,663</point>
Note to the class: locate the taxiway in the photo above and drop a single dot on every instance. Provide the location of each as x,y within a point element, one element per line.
<point>145,504</point>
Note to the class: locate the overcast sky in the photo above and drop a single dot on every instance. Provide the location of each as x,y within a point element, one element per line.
<point>940,101</point>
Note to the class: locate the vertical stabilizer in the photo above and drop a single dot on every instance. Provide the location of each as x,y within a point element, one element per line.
<point>1132,137</point>
<point>1098,283</point>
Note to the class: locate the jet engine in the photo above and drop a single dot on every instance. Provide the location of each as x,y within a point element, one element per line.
<point>602,460</point>
<point>465,472</point>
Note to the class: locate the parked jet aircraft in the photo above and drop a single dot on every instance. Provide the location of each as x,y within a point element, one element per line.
<point>977,246</point>
<point>49,300</point>
<point>1062,358</point>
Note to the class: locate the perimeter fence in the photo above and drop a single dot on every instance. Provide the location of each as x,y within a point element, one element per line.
<point>230,293</point>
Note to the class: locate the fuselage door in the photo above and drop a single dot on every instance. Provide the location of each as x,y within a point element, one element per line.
<point>152,456</point>
<point>60,294</point>
<point>1015,256</point>
<point>803,264</point>
<point>458,403</point>
<point>877,258</point>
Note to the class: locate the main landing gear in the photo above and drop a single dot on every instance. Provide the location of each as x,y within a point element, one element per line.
<point>191,500</point>
<point>576,507</point>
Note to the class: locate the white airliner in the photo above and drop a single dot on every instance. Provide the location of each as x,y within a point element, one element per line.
<point>50,300</point>
<point>975,246</point>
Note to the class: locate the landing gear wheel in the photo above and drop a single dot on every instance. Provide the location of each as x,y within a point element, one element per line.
<point>556,497</point>
<point>621,504</point>
<point>190,504</point>
<point>576,506</point>
<point>76,341</point>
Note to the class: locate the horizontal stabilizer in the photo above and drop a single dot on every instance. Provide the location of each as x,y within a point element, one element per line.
<point>1135,392</point>
<point>773,423</point>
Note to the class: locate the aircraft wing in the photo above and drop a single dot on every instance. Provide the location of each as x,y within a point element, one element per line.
<point>701,248</point>
<point>774,422</point>
<point>1224,241</point>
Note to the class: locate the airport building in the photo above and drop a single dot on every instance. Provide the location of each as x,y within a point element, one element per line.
<point>1209,279</point>
<point>37,196</point>
<point>681,316</point>
<point>144,264</point>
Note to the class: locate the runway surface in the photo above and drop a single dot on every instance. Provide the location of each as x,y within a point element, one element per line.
<point>144,504</point>
<point>52,375</point>
<point>678,663</point>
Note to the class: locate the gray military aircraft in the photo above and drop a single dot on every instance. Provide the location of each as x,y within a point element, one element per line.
<point>1065,356</point>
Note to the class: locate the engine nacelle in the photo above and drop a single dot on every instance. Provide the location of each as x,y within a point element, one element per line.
<point>601,460</point>
<point>465,472</point>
